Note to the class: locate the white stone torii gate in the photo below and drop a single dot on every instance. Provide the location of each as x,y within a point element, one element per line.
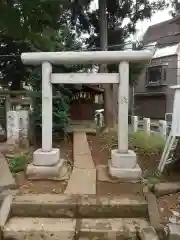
<point>46,161</point>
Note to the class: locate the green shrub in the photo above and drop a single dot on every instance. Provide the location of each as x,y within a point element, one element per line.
<point>18,164</point>
<point>146,144</point>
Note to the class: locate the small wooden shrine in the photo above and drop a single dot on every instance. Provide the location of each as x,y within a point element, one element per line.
<point>83,103</point>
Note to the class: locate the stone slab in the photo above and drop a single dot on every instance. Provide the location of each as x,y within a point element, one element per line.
<point>39,228</point>
<point>78,206</point>
<point>57,172</point>
<point>5,210</point>
<point>126,174</point>
<point>80,143</point>
<point>81,151</point>
<point>109,229</point>
<point>41,158</point>
<point>83,161</point>
<point>83,177</point>
<point>6,177</point>
<point>7,192</point>
<point>123,160</point>
<point>174,231</point>
<point>82,181</point>
<point>154,216</point>
<point>148,234</point>
<point>161,189</point>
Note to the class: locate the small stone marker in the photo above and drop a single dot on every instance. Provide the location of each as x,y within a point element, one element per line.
<point>148,234</point>
<point>12,127</point>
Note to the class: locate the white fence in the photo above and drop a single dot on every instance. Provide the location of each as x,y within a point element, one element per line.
<point>160,127</point>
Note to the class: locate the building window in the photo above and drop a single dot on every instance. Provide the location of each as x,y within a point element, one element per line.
<point>156,75</point>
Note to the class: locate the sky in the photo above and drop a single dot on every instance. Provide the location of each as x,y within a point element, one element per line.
<point>158,17</point>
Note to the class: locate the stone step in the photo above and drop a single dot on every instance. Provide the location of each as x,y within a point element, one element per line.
<point>84,229</point>
<point>78,206</point>
<point>39,228</point>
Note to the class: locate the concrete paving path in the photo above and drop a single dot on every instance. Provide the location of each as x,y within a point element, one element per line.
<point>83,177</point>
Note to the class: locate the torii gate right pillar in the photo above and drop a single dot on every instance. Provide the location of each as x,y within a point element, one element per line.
<point>123,162</point>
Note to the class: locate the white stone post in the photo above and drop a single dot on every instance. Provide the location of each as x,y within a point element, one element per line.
<point>176,113</point>
<point>163,128</point>
<point>147,125</point>
<point>12,127</point>
<point>46,107</point>
<point>134,120</point>
<point>123,100</point>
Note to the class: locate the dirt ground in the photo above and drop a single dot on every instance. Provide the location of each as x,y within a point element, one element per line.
<point>169,205</point>
<point>39,186</point>
<point>100,155</point>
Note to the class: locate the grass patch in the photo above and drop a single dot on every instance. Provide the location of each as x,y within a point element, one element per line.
<point>142,143</point>
<point>145,144</point>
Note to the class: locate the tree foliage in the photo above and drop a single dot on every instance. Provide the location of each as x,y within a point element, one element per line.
<point>175,4</point>
<point>36,26</point>
<point>122,17</point>
<point>117,12</point>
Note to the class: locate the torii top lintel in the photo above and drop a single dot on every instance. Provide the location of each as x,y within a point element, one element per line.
<point>94,57</point>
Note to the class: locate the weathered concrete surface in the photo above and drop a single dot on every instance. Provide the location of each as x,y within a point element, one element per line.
<point>112,207</point>
<point>83,177</point>
<point>39,228</point>
<point>58,172</point>
<point>81,151</point>
<point>112,229</point>
<point>44,205</point>
<point>174,231</point>
<point>161,189</point>
<point>82,181</point>
<point>148,234</point>
<point>84,206</point>
<point>5,210</point>
<point>6,177</point>
<point>153,212</point>
<point>80,229</point>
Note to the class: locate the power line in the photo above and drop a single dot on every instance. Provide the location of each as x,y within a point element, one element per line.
<point>122,45</point>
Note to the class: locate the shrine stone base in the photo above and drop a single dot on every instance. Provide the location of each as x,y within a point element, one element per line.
<point>50,158</point>
<point>58,171</point>
<point>124,166</point>
<point>47,165</point>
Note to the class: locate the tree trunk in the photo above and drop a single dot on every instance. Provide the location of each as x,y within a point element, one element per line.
<point>108,96</point>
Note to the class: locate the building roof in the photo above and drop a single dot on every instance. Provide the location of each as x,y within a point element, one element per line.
<point>164,33</point>
<point>166,51</point>
<point>88,88</point>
